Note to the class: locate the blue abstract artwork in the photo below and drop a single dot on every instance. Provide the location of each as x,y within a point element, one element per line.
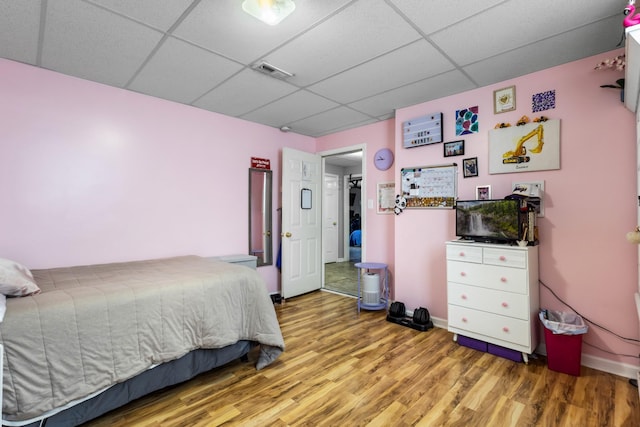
<point>467,121</point>
<point>543,101</point>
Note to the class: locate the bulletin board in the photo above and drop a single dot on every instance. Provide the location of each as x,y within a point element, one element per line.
<point>430,186</point>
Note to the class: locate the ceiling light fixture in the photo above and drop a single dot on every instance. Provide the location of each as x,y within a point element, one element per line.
<point>269,11</point>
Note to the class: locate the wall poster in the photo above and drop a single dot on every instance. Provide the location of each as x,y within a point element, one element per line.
<point>386,197</point>
<point>430,186</point>
<point>531,147</point>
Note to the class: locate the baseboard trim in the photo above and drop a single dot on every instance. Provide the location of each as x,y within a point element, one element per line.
<point>605,365</point>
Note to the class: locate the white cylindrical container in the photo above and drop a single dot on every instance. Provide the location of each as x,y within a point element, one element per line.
<point>371,288</point>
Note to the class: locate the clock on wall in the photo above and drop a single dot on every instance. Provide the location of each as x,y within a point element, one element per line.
<point>383,159</point>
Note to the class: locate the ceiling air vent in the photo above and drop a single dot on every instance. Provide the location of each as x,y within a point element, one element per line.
<point>272,70</point>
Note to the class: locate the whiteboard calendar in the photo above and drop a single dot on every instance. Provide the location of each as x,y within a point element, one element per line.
<point>430,186</point>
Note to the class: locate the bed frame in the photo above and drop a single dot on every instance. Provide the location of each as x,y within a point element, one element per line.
<point>162,376</point>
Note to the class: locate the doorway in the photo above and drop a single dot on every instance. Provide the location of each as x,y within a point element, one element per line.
<point>347,167</point>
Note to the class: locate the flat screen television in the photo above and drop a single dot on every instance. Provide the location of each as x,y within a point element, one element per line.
<point>493,221</point>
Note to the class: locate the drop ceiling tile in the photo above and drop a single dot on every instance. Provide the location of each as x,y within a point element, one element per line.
<point>148,11</point>
<point>580,43</point>
<point>244,92</point>
<point>293,107</point>
<point>358,33</point>
<point>425,90</point>
<point>332,119</point>
<point>182,72</point>
<point>444,14</point>
<point>223,27</point>
<point>515,24</point>
<point>19,29</point>
<point>85,41</point>
<point>408,64</point>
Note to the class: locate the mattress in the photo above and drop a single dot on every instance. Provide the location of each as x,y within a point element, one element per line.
<point>95,326</point>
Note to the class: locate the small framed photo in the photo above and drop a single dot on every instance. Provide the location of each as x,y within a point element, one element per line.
<point>504,100</point>
<point>305,198</point>
<point>470,167</point>
<point>454,148</point>
<point>483,192</point>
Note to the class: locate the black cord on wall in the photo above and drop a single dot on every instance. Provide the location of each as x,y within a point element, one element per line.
<point>631,340</point>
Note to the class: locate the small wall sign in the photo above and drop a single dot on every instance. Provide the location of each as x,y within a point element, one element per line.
<point>258,163</point>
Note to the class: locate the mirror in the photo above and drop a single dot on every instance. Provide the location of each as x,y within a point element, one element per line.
<point>260,216</point>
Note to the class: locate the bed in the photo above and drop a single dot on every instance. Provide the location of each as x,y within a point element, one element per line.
<point>96,337</point>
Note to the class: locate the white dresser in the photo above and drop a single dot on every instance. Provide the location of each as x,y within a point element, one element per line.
<point>493,294</point>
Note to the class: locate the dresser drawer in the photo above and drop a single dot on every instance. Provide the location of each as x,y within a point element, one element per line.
<point>492,325</point>
<point>489,300</point>
<point>505,257</point>
<point>464,253</point>
<point>488,276</point>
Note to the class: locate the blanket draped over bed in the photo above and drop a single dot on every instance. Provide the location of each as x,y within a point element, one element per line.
<point>93,326</point>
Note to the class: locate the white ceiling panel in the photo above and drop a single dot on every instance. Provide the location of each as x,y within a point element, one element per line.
<point>94,44</point>
<point>147,11</point>
<point>182,72</point>
<point>514,24</point>
<point>243,93</point>
<point>544,54</point>
<point>20,22</point>
<point>411,63</point>
<point>333,119</point>
<point>290,108</point>
<point>430,17</point>
<point>425,90</point>
<point>371,56</point>
<point>222,26</point>
<point>358,33</point>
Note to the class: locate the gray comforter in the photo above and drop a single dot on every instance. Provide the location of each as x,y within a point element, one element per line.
<point>93,326</point>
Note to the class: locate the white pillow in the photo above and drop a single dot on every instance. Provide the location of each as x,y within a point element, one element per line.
<point>16,280</point>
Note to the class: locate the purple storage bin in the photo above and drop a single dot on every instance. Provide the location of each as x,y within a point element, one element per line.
<point>472,343</point>
<point>507,353</point>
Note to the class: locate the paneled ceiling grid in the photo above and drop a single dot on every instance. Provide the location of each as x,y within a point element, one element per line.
<point>354,61</point>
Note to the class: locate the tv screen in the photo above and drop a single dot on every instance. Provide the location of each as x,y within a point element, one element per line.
<point>488,220</point>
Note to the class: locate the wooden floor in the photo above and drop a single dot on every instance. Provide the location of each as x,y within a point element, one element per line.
<point>345,369</point>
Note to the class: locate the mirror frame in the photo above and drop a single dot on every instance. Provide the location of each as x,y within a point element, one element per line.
<point>260,213</point>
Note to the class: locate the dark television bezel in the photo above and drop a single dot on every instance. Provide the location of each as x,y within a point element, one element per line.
<point>487,239</point>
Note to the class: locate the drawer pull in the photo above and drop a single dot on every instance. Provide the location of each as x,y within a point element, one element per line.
<point>464,319</point>
<point>505,329</point>
<point>503,258</point>
<point>505,305</point>
<point>463,274</point>
<point>503,279</point>
<point>463,296</point>
<point>461,254</point>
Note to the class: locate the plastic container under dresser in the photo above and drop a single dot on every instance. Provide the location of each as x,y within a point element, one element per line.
<point>493,296</point>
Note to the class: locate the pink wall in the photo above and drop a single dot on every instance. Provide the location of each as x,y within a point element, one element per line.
<point>91,174</point>
<point>590,202</point>
<point>94,174</point>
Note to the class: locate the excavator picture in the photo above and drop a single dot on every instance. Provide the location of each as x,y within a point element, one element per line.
<point>519,154</point>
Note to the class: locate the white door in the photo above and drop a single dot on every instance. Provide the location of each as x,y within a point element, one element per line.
<point>301,225</point>
<point>330,208</point>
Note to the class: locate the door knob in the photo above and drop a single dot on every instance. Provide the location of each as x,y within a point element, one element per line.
<point>268,233</point>
<point>287,234</point>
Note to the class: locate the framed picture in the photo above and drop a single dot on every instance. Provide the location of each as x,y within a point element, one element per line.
<point>470,167</point>
<point>305,198</point>
<point>386,197</point>
<point>454,148</point>
<point>483,192</point>
<point>504,99</point>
